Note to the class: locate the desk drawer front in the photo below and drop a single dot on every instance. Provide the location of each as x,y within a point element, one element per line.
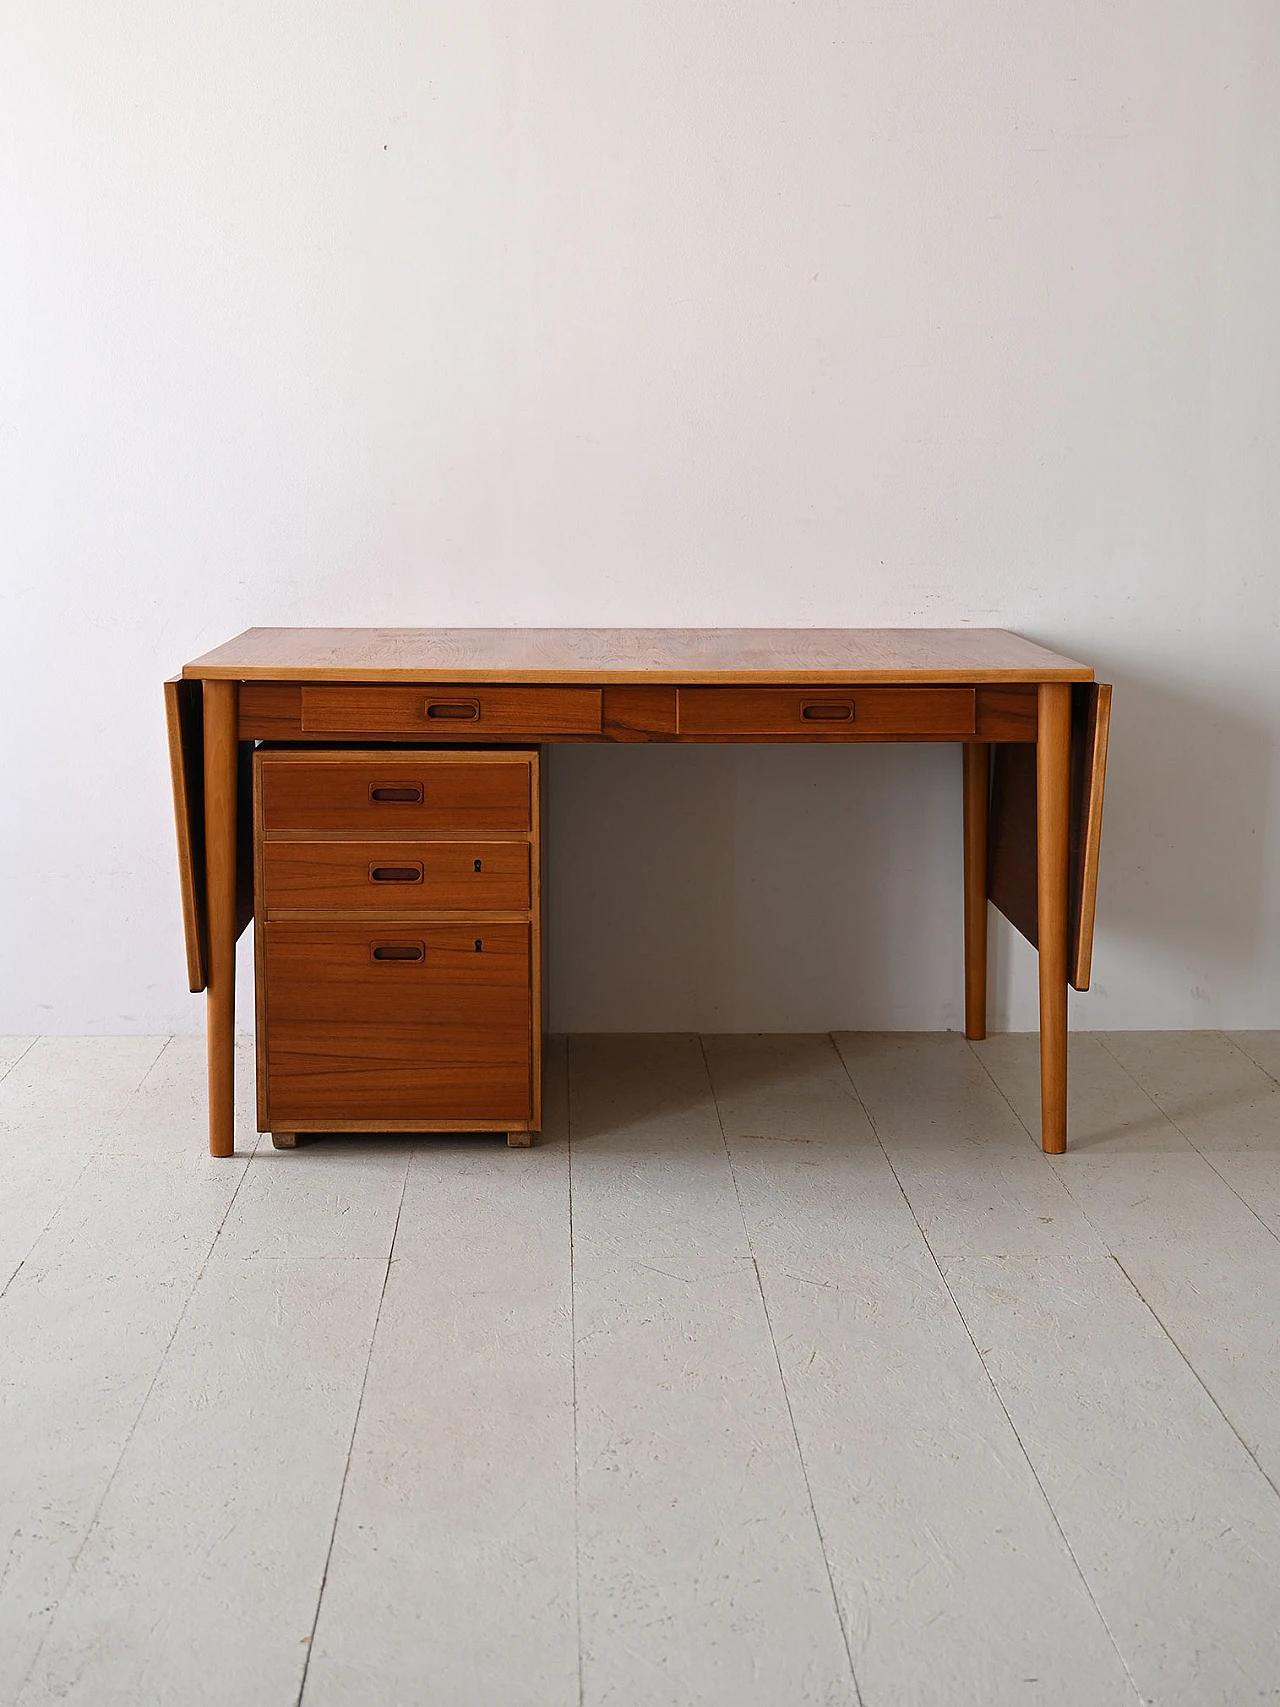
<point>399,877</point>
<point>394,795</point>
<point>398,1023</point>
<point>815,712</point>
<point>452,713</point>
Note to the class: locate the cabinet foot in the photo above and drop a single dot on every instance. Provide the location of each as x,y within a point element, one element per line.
<point>285,1140</point>
<point>520,1140</point>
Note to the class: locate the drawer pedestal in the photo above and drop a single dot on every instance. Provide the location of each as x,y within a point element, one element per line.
<point>398,941</point>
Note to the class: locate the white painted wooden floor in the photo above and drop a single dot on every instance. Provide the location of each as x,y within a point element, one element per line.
<point>786,1370</point>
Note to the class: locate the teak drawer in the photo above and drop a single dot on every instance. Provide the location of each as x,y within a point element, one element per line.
<point>826,710</point>
<point>398,1024</point>
<point>396,795</point>
<point>397,876</point>
<point>452,713</point>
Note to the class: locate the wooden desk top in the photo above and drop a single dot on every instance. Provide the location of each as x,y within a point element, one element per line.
<point>624,655</point>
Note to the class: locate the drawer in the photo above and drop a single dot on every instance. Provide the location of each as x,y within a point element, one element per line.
<point>398,1023</point>
<point>463,713</point>
<point>395,795</point>
<point>397,876</point>
<point>826,711</point>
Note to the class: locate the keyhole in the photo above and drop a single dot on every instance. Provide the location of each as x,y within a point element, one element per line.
<point>479,945</point>
<point>477,865</point>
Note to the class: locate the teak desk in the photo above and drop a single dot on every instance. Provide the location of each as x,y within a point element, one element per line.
<point>1032,727</point>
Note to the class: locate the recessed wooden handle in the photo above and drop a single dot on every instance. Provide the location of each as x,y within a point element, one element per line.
<point>397,950</point>
<point>826,711</point>
<point>395,874</point>
<point>454,710</point>
<point>408,792</point>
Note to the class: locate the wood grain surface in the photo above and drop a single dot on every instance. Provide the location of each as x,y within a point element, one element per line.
<point>443,1036</point>
<point>372,877</point>
<point>325,790</point>
<point>1011,879</point>
<point>184,718</point>
<point>605,655</point>
<point>790,711</point>
<point>479,713</point>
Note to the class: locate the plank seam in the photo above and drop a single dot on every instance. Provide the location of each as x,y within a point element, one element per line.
<point>782,1382</point>
<point>21,1056</point>
<point>151,1386</point>
<point>573,1342</point>
<point>996,1393</point>
<point>90,1158</point>
<point>1231,1039</point>
<point>355,1425</point>
<point>1203,1154</point>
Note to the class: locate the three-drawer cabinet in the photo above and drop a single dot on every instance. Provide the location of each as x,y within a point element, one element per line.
<point>397,929</point>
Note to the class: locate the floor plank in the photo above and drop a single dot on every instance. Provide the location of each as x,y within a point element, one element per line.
<point>787,1446</point>
<point>12,1049</point>
<point>199,1580</point>
<point>1262,1048</point>
<point>1175,1529</point>
<point>58,1101</point>
<point>66,1090</point>
<point>1214,1094</point>
<point>168,1113</point>
<point>333,1199</point>
<point>34,1191</point>
<point>1198,1254</point>
<point>104,1249</point>
<point>702,1573</point>
<point>150,1188</point>
<point>1224,1102</point>
<point>453,1575</point>
<point>953,1578</point>
<point>974,1180</point>
<point>81,1342</point>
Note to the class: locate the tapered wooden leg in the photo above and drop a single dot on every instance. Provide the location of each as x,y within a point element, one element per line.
<point>977,784</point>
<point>1053,813</point>
<point>220,755</point>
<point>285,1140</point>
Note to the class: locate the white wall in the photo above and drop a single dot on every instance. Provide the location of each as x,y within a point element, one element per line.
<point>913,311</point>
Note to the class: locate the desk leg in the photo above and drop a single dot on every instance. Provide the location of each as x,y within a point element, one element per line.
<point>1053,813</point>
<point>977,786</point>
<point>220,756</point>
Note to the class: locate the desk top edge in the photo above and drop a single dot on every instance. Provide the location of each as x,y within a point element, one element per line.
<point>620,656</point>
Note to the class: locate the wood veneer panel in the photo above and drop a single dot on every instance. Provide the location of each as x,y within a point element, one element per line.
<point>270,711</point>
<point>1011,880</point>
<point>640,713</point>
<point>468,712</point>
<point>622,655</point>
<point>1007,713</point>
<point>818,712</point>
<point>1091,728</point>
<point>1011,837</point>
<point>399,876</point>
<point>338,792</point>
<point>184,717</point>
<point>443,1036</point>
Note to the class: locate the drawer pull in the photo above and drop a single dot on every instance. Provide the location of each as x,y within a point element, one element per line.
<point>455,710</point>
<point>397,951</point>
<point>824,711</point>
<point>395,874</point>
<point>408,792</point>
